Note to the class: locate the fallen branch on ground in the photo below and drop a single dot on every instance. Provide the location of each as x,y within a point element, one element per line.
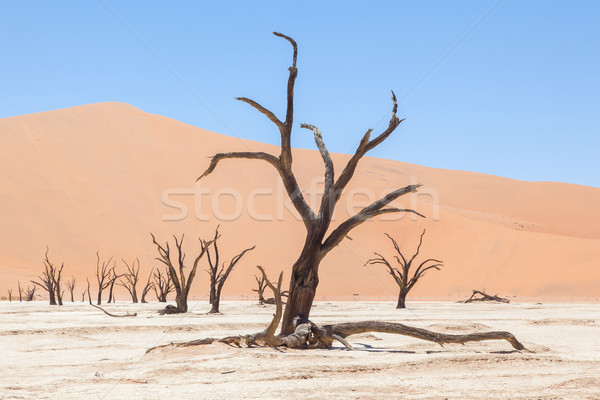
<point>484,297</point>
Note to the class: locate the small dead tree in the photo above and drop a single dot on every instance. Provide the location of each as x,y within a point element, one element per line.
<point>130,278</point>
<point>20,291</point>
<point>149,285</point>
<point>218,275</point>
<point>9,295</point>
<point>181,282</point>
<point>113,280</point>
<point>401,275</point>
<point>162,285</point>
<point>71,287</point>
<point>262,285</point>
<point>50,279</point>
<point>30,293</point>
<point>103,272</point>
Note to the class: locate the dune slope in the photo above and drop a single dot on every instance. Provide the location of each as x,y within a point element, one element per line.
<point>101,177</point>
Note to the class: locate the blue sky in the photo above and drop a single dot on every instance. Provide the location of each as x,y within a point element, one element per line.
<point>517,96</point>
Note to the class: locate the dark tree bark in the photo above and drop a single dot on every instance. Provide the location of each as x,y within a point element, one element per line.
<point>218,275</point>
<point>305,271</point>
<point>149,285</point>
<point>113,280</point>
<point>162,285</point>
<point>71,287</point>
<point>103,272</point>
<point>262,285</point>
<point>401,275</point>
<point>50,280</point>
<point>130,279</point>
<point>181,282</point>
<point>482,296</point>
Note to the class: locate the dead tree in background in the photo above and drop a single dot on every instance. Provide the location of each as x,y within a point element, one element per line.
<point>9,295</point>
<point>181,283</point>
<point>20,291</point>
<point>262,285</point>
<point>71,287</point>
<point>149,285</point>
<point>111,287</point>
<point>131,278</point>
<point>162,285</point>
<point>482,296</point>
<point>318,243</point>
<point>218,275</point>
<point>50,280</point>
<point>103,272</point>
<point>401,275</point>
<point>30,293</point>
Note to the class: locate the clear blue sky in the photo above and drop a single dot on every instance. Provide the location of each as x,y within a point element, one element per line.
<point>518,96</point>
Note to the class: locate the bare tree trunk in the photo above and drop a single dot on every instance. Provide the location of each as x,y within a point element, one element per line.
<point>402,299</point>
<point>303,287</point>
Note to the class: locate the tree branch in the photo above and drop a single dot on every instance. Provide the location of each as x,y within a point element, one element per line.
<point>271,159</point>
<point>376,208</point>
<point>269,114</point>
<point>329,171</point>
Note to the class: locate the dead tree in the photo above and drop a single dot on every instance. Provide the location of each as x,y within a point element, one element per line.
<point>50,280</point>
<point>103,272</point>
<point>149,285</point>
<point>401,275</point>
<point>111,287</point>
<point>131,278</point>
<point>10,295</point>
<point>218,275</point>
<point>71,287</point>
<point>20,291</point>
<point>482,296</point>
<point>181,282</point>
<point>310,335</point>
<point>262,285</point>
<point>162,285</point>
<point>318,243</point>
<point>30,293</point>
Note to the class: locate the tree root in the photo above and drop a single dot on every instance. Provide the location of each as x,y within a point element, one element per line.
<point>309,335</point>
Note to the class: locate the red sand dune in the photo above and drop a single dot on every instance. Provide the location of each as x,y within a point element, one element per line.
<point>93,177</point>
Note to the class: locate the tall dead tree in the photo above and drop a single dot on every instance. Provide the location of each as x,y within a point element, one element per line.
<point>218,275</point>
<point>131,278</point>
<point>401,274</point>
<point>103,272</point>
<point>181,282</point>
<point>318,243</point>
<point>71,287</point>
<point>162,285</point>
<point>147,287</point>
<point>50,279</point>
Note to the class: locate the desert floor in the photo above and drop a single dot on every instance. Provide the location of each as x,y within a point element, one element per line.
<point>77,352</point>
